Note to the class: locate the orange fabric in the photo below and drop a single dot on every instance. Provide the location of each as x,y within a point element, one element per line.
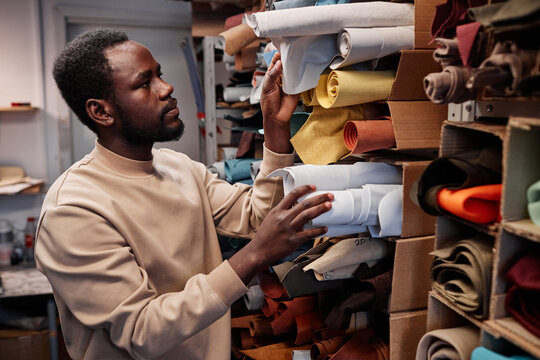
<point>479,204</point>
<point>285,317</point>
<point>269,307</point>
<point>243,322</point>
<point>306,324</point>
<point>260,327</point>
<point>366,135</point>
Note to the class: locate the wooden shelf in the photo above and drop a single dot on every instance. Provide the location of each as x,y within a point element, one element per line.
<point>454,308</point>
<point>512,331</point>
<point>17,108</point>
<point>524,228</point>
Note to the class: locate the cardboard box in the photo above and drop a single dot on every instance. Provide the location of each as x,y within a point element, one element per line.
<point>410,279</point>
<point>509,248</point>
<point>424,12</point>
<point>521,157</point>
<point>18,344</point>
<point>406,330</point>
<point>416,120</point>
<point>442,315</point>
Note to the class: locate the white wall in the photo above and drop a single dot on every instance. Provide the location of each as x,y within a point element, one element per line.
<point>31,34</point>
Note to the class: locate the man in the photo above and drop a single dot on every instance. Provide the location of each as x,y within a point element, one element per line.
<point>127,235</point>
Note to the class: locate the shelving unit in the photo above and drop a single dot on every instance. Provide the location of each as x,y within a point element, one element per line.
<point>17,108</point>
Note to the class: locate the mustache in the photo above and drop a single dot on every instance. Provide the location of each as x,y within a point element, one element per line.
<point>171,104</point>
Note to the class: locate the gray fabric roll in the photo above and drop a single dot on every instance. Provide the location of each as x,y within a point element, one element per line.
<point>448,344</point>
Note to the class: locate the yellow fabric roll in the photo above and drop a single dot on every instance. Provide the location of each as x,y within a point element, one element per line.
<point>320,140</point>
<point>309,98</point>
<point>345,87</point>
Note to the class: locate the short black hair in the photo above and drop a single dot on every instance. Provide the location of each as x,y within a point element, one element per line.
<point>82,71</point>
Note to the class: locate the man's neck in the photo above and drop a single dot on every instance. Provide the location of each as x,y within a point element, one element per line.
<point>141,152</point>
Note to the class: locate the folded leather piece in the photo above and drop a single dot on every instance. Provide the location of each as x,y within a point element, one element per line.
<point>452,344</point>
<point>449,86</point>
<point>270,306</point>
<point>329,19</point>
<point>503,70</point>
<point>523,297</point>
<point>320,140</point>
<point>447,52</point>
<point>357,45</point>
<point>363,136</point>
<point>306,324</point>
<point>285,318</point>
<point>339,316</point>
<point>243,322</point>
<point>462,274</point>
<point>506,13</point>
<point>481,353</point>
<point>353,251</point>
<point>238,169</point>
<point>319,350</point>
<point>339,177</point>
<point>479,204</point>
<point>356,348</point>
<point>279,351</point>
<point>237,38</point>
<point>344,88</point>
<point>270,285</point>
<point>449,15</point>
<point>246,58</point>
<point>533,202</point>
<point>254,298</point>
<point>459,171</point>
<point>289,4</point>
<point>470,49</point>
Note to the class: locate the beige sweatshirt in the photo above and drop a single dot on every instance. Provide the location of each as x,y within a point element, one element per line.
<point>131,251</point>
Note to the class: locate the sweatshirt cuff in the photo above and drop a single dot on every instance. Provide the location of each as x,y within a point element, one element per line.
<point>226,283</point>
<point>273,161</point>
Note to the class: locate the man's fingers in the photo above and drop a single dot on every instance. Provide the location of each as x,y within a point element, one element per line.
<point>308,234</point>
<point>309,214</point>
<point>275,58</point>
<point>290,200</point>
<point>312,202</point>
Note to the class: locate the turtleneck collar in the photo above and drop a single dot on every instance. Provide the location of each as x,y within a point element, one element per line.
<point>120,164</point>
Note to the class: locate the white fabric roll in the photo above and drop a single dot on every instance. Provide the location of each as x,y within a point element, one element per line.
<point>218,168</point>
<point>357,45</point>
<point>236,93</point>
<point>390,215</point>
<point>329,19</point>
<point>304,58</point>
<point>348,252</point>
<point>340,230</point>
<point>372,196</point>
<point>342,211</point>
<point>338,177</point>
<point>254,168</point>
<point>254,298</point>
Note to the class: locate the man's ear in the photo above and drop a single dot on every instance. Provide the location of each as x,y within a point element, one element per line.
<point>99,111</point>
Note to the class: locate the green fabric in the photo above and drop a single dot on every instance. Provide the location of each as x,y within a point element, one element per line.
<point>533,199</point>
<point>506,13</point>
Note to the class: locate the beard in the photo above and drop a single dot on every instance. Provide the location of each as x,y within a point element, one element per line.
<point>145,135</point>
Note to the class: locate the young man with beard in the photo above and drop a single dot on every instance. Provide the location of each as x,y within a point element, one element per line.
<point>128,235</point>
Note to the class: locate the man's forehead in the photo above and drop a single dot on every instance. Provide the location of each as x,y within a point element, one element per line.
<point>126,55</point>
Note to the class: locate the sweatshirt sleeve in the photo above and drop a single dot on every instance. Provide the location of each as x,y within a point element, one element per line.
<point>102,285</point>
<point>239,209</point>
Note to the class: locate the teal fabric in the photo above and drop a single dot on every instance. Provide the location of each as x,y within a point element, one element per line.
<point>238,169</point>
<point>297,121</point>
<point>533,199</point>
<point>481,353</point>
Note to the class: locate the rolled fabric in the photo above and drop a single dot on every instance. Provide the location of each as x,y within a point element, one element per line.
<point>453,343</point>
<point>447,52</point>
<point>461,273</point>
<point>218,168</point>
<point>449,86</point>
<point>236,93</point>
<point>347,252</point>
<point>319,350</point>
<point>356,349</point>
<point>309,97</point>
<point>341,230</point>
<point>270,306</point>
<point>533,199</point>
<point>481,353</point>
<point>503,70</point>
<point>390,212</point>
<point>254,168</point>
<point>288,310</point>
<point>362,44</point>
<point>238,169</point>
<point>304,58</point>
<point>270,285</point>
<point>260,327</point>
<point>329,19</point>
<point>479,204</point>
<point>238,37</point>
<point>361,136</point>
<point>289,4</point>
<point>522,299</point>
<point>339,177</point>
<point>254,298</point>
<point>344,88</point>
<point>306,324</point>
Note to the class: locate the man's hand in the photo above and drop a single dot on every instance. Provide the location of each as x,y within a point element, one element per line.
<point>282,231</point>
<point>277,108</point>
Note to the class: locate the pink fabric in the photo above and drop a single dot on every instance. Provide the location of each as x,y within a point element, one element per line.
<point>466,35</point>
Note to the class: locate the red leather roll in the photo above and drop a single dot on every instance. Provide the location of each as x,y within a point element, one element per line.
<point>285,317</point>
<point>306,324</point>
<point>367,135</point>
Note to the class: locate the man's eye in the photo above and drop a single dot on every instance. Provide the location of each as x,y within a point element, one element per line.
<point>160,75</point>
<point>146,84</point>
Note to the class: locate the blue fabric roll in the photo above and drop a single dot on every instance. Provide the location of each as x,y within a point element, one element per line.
<point>481,353</point>
<point>238,169</point>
